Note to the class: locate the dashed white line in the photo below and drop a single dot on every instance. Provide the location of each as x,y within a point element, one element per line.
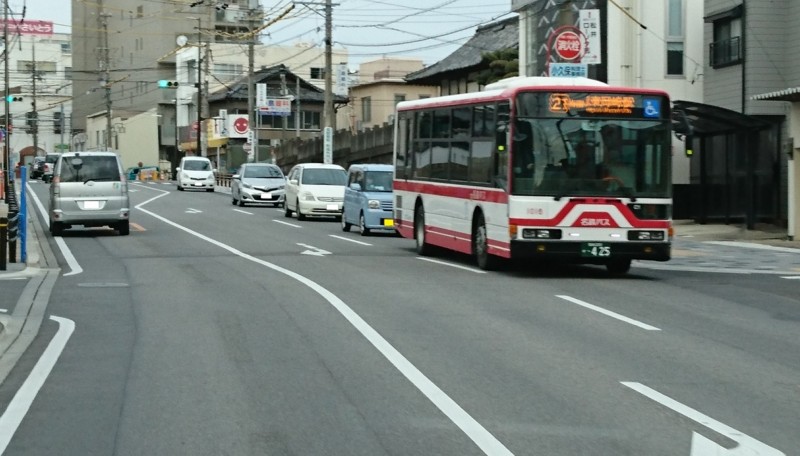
<point>608,313</point>
<point>243,212</point>
<point>791,277</point>
<point>286,223</point>
<point>457,266</point>
<point>349,240</point>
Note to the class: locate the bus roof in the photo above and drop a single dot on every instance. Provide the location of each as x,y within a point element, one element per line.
<point>507,88</point>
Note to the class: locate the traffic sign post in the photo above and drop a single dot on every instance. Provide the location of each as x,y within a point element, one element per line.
<point>327,145</point>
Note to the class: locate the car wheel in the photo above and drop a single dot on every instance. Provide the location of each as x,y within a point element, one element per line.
<point>233,200</point>
<point>423,248</point>
<point>241,201</point>
<point>124,228</point>
<point>618,267</point>
<point>209,189</point>
<point>56,228</point>
<point>362,225</point>
<point>180,189</point>
<point>345,226</point>
<point>300,215</point>
<point>480,246</point>
<point>286,211</point>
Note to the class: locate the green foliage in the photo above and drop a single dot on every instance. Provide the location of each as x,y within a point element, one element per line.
<point>498,65</point>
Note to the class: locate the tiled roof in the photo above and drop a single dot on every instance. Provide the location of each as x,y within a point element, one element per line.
<point>488,38</point>
<point>237,90</point>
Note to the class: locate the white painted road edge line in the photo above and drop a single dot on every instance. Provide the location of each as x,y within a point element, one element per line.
<point>474,430</point>
<point>21,403</point>
<point>349,240</point>
<point>74,267</point>
<point>700,444</point>
<point>753,245</point>
<point>608,313</point>
<point>457,266</point>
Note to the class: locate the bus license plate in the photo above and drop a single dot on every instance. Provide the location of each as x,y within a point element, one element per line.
<point>595,249</point>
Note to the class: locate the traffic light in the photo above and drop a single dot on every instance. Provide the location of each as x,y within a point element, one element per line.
<point>165,84</point>
<point>11,98</point>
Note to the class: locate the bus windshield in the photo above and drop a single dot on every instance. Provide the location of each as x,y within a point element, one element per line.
<point>591,157</point>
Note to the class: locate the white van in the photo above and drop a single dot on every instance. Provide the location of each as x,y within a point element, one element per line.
<point>89,189</point>
<point>195,172</point>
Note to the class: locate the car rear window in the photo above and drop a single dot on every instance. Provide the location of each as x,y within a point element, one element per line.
<point>85,168</point>
<point>324,176</point>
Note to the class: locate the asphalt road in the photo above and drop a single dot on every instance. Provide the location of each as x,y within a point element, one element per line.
<point>214,329</point>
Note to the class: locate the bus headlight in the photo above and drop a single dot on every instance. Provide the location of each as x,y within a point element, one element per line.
<point>541,233</point>
<point>646,235</point>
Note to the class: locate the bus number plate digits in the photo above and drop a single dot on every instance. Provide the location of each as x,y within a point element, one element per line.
<point>595,249</point>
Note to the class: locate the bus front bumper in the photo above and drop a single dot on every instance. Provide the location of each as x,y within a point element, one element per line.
<point>591,252</point>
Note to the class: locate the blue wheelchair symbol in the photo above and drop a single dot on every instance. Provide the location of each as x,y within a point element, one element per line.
<point>652,108</point>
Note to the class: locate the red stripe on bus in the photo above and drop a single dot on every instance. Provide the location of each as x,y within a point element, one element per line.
<point>491,195</point>
<point>573,203</point>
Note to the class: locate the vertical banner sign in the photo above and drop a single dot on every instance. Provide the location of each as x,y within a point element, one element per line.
<point>589,25</point>
<point>341,80</point>
<point>261,95</point>
<point>327,145</point>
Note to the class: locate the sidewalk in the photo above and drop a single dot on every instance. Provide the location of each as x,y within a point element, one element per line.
<point>763,234</point>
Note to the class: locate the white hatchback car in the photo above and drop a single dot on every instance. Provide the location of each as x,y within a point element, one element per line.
<point>315,189</point>
<point>196,173</point>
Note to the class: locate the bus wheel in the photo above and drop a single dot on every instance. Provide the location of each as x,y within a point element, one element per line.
<point>480,246</point>
<point>618,266</point>
<point>423,248</point>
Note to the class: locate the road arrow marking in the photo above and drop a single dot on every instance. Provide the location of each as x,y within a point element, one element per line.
<point>702,446</point>
<point>193,211</point>
<point>313,250</point>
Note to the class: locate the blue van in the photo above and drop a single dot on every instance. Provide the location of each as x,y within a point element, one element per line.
<point>368,198</point>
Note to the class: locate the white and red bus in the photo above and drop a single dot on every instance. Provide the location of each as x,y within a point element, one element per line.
<point>567,169</point>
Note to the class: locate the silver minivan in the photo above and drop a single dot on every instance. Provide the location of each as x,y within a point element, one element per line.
<point>89,189</point>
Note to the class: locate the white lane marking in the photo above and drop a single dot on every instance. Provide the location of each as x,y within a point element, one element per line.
<point>465,268</point>
<point>702,446</point>
<point>286,223</point>
<point>791,277</point>
<point>243,212</point>
<point>753,245</point>
<point>474,430</point>
<point>708,269</point>
<point>74,266</point>
<point>608,313</point>
<point>24,397</point>
<point>190,210</point>
<point>316,251</point>
<point>349,240</point>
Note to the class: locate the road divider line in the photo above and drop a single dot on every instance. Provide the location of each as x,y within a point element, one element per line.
<point>608,313</point>
<point>72,262</point>
<point>24,397</point>
<point>243,212</point>
<point>487,442</point>
<point>349,240</point>
<point>286,223</point>
<point>457,266</point>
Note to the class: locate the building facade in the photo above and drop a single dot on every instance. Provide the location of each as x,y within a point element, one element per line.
<point>40,91</point>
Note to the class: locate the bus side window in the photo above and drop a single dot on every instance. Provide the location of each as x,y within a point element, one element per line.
<point>402,163</point>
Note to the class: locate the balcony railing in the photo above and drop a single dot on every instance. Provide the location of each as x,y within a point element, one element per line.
<point>725,52</point>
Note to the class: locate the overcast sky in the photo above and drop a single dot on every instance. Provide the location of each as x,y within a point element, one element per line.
<point>424,29</point>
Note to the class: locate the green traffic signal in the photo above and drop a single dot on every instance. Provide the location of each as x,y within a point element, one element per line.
<point>165,84</point>
<point>11,98</point>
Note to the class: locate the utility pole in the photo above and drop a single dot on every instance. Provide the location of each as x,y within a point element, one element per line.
<point>198,151</point>
<point>330,113</point>
<point>35,115</point>
<point>251,90</point>
<point>106,63</point>
<point>205,107</point>
<point>7,139</point>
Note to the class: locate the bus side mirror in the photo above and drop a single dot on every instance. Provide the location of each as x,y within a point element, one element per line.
<point>501,137</point>
<point>689,147</point>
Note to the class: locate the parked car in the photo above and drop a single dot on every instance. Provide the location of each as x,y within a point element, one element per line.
<point>315,189</point>
<point>47,167</point>
<point>37,167</point>
<point>258,183</point>
<point>195,172</point>
<point>89,189</point>
<point>368,198</point>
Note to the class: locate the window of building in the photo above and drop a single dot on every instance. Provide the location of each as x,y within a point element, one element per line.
<point>726,49</point>
<point>68,73</point>
<point>66,48</point>
<point>675,38</point>
<point>317,73</point>
<point>366,109</point>
<point>398,97</point>
<point>227,71</point>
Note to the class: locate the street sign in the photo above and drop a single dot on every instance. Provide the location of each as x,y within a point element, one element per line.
<point>261,94</point>
<point>327,145</point>
<point>276,107</point>
<point>569,70</point>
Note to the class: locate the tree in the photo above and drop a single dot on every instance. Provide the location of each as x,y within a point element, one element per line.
<point>498,65</point>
